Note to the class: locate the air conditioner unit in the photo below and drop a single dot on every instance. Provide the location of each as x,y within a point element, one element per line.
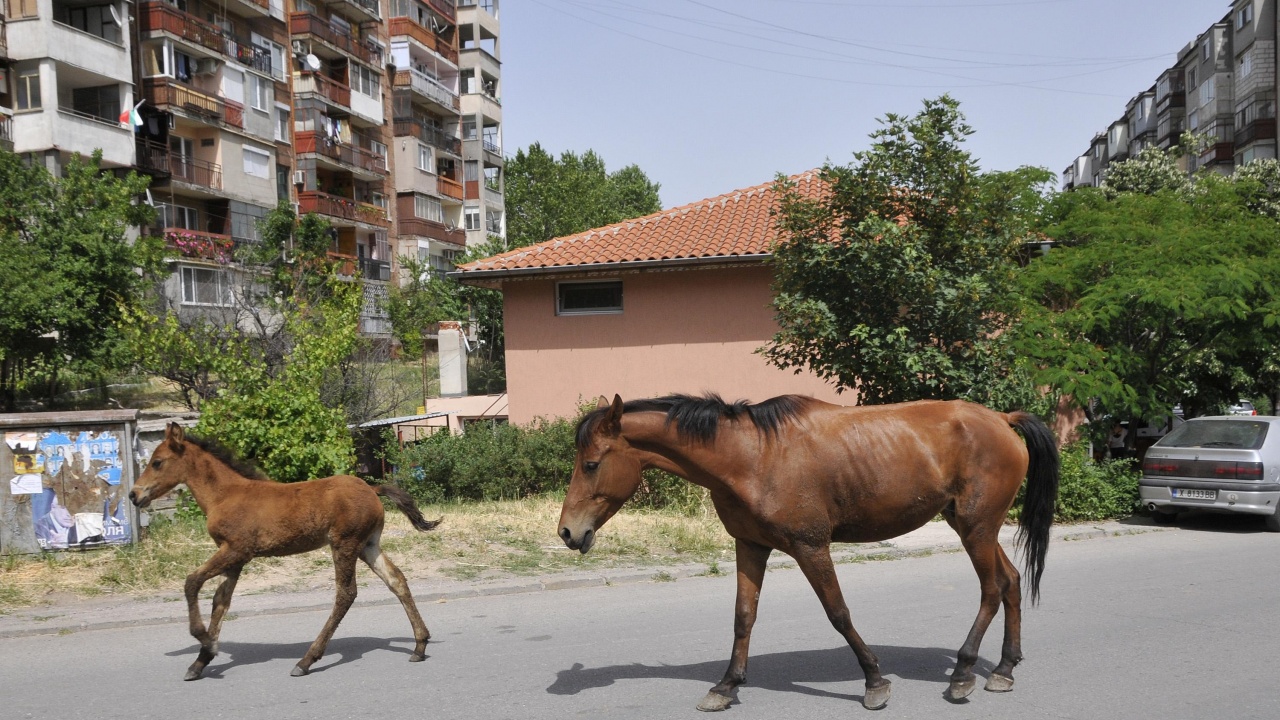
<point>206,66</point>
<point>299,48</point>
<point>299,177</point>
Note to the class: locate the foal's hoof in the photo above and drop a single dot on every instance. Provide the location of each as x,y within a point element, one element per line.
<point>876,697</point>
<point>298,671</point>
<point>193,674</point>
<point>959,690</point>
<point>419,657</point>
<point>999,683</point>
<point>714,702</point>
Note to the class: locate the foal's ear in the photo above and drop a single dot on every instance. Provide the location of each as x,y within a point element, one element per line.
<point>602,403</point>
<point>612,423</point>
<point>174,435</point>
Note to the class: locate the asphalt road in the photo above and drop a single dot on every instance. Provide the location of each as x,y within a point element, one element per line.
<point>1182,624</point>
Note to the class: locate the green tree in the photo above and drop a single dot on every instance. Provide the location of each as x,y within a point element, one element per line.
<point>899,279</point>
<point>1152,298</point>
<point>548,198</point>
<point>67,267</point>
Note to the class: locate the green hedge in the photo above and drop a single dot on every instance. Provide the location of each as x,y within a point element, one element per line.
<point>1090,490</point>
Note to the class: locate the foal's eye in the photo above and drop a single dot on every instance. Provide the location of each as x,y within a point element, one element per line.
<point>590,466</point>
<point>156,464</point>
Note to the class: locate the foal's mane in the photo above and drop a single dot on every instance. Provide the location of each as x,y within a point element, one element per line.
<point>699,417</point>
<point>227,457</point>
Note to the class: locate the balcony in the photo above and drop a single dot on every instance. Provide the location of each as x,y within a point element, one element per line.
<point>410,225</point>
<point>198,245</point>
<point>367,8</point>
<point>405,27</point>
<point>4,37</point>
<point>449,187</point>
<point>164,93</point>
<point>447,8</point>
<point>345,153</point>
<point>302,24</point>
<point>1256,121</point>
<point>379,270</point>
<point>6,132</point>
<point>428,88</point>
<point>489,6</point>
<point>158,159</point>
<point>160,16</point>
<point>346,264</point>
<point>325,86</point>
<point>340,207</point>
<point>429,134</point>
<point>1223,152</point>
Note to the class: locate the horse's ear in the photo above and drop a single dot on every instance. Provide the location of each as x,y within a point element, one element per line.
<point>602,403</point>
<point>174,435</point>
<point>612,422</point>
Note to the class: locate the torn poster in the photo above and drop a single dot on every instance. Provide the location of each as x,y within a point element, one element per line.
<point>29,484</point>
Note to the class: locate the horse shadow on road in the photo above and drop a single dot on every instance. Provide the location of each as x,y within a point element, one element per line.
<point>782,672</point>
<point>339,652</point>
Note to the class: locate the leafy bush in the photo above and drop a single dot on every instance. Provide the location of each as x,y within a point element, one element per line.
<point>1091,490</point>
<point>509,461</point>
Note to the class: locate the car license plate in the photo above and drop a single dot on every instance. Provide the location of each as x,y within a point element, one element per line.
<point>1191,494</point>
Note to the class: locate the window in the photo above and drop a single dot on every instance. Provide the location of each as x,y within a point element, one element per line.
<point>365,81</point>
<point>257,163</point>
<point>282,124</point>
<point>177,216</point>
<point>493,176</point>
<point>588,298</point>
<point>1207,91</point>
<point>426,162</point>
<point>471,216</point>
<point>29,89</point>
<point>205,286</point>
<point>1193,120</point>
<point>493,221</point>
<point>261,92</point>
<point>378,148</point>
<point>469,129</point>
<point>1246,66</point>
<point>232,85</point>
<point>1191,79</point>
<point>1142,109</point>
<point>471,171</point>
<point>428,208</point>
<point>181,152</point>
<point>1206,48</point>
<point>96,20</point>
<point>272,50</point>
<point>1244,16</point>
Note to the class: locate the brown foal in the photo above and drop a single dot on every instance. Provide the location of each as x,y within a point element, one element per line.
<point>249,516</point>
<point>796,474</point>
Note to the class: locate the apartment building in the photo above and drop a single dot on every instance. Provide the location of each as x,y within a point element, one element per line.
<point>381,116</point>
<point>1222,84</point>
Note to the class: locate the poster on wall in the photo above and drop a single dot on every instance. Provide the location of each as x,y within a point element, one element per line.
<point>79,502</point>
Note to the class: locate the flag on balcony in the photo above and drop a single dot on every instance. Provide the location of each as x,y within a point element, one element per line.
<point>132,117</point>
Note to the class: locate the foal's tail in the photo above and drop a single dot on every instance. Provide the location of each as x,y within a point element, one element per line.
<point>1041,497</point>
<point>404,501</point>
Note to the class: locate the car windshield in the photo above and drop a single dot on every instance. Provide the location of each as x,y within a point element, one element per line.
<point>1243,434</point>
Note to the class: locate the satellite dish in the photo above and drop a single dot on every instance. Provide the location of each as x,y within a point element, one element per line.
<point>115,16</point>
<point>313,63</point>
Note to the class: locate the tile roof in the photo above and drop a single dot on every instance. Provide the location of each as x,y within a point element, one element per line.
<point>735,225</point>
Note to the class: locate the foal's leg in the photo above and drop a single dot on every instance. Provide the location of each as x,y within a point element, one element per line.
<point>383,567</point>
<point>222,602</point>
<point>816,564</point>
<point>751,567</point>
<point>982,546</point>
<point>344,570</point>
<point>1001,679</point>
<point>222,561</point>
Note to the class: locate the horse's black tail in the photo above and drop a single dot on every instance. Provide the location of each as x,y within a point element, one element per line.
<point>405,502</point>
<point>1041,497</point>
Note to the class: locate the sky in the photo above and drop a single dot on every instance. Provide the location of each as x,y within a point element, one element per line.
<point>707,96</point>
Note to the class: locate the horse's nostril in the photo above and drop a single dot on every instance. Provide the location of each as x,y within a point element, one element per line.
<point>564,533</point>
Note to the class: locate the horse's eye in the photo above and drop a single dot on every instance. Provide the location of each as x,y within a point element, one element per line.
<point>156,464</point>
<point>590,466</point>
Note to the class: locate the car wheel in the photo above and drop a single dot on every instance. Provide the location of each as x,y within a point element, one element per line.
<point>1273,521</point>
<point>1163,518</point>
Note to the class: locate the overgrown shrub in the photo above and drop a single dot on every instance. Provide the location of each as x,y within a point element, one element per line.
<point>505,462</point>
<point>1090,490</point>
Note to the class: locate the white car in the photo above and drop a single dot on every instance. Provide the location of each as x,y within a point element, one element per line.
<point>1229,463</point>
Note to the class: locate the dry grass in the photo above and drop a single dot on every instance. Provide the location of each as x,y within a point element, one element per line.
<point>476,541</point>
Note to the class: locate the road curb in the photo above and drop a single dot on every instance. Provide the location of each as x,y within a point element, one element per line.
<point>31,624</point>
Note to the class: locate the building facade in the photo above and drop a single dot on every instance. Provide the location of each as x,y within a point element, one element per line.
<point>351,109</point>
<point>1222,84</point>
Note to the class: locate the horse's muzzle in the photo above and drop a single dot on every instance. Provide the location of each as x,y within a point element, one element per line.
<point>138,500</point>
<point>583,545</point>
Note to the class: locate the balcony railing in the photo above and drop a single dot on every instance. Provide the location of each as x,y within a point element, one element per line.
<point>6,132</point>
<point>368,6</point>
<point>159,159</point>
<point>403,26</point>
<point>324,85</point>
<point>428,228</point>
<point>429,88</point>
<point>429,134</point>
<point>167,93</point>
<point>492,146</point>
<point>340,207</point>
<point>312,142</point>
<point>308,24</point>
<point>447,8</point>
<point>488,6</point>
<point>198,245</point>
<point>449,187</point>
<point>1223,152</point>
<point>160,16</point>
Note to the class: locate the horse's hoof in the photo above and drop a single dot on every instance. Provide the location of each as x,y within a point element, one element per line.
<point>193,674</point>
<point>298,671</point>
<point>999,683</point>
<point>714,702</point>
<point>959,689</point>
<point>876,697</point>
<point>419,657</point>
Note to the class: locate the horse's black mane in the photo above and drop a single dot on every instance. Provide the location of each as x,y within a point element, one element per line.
<point>228,457</point>
<point>699,417</point>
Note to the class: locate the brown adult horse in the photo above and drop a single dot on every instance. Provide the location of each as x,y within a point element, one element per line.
<point>250,516</point>
<point>796,474</point>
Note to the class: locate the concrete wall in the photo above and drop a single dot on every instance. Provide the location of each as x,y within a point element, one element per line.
<point>689,332</point>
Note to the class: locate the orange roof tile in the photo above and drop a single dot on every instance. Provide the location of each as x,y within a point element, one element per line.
<point>736,225</point>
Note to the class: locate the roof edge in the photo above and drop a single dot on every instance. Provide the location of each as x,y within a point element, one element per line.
<point>477,276</point>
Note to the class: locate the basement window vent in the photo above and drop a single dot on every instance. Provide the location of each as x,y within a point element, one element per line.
<point>589,298</point>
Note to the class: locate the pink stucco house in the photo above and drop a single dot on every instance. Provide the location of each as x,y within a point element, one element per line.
<point>677,301</point>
